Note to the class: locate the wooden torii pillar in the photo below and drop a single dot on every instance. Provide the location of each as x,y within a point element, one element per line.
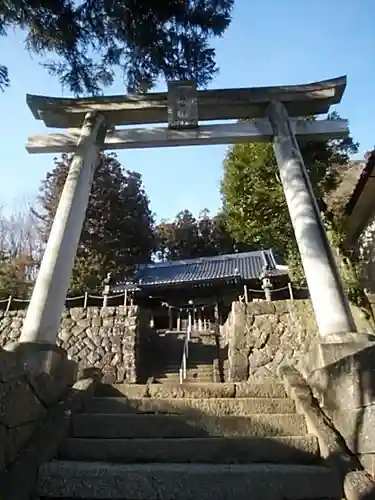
<point>273,111</point>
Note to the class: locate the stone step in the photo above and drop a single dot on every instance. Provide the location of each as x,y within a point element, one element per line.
<point>175,370</point>
<point>100,480</point>
<point>189,373</point>
<point>271,389</point>
<point>198,368</point>
<point>185,406</point>
<point>188,380</point>
<point>301,450</point>
<point>174,378</point>
<point>197,348</point>
<point>91,425</point>
<point>175,359</point>
<point>202,336</point>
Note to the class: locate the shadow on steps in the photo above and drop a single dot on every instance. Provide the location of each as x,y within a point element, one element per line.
<point>177,451</point>
<point>186,455</point>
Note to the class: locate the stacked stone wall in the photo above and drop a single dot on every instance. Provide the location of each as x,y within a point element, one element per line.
<point>261,336</point>
<point>106,338</point>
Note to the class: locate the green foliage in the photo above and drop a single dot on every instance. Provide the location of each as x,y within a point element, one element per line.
<point>254,203</point>
<point>144,39</point>
<point>347,263</point>
<point>118,230</point>
<point>295,268</point>
<point>186,237</point>
<point>178,239</point>
<point>253,200</point>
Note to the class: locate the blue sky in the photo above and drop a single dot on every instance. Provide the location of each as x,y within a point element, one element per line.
<point>272,42</point>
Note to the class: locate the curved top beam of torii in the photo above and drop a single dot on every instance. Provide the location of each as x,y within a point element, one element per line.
<point>224,104</point>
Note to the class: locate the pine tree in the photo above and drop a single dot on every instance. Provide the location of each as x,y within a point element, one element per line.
<point>142,39</point>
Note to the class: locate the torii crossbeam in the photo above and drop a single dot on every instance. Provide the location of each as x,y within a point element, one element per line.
<point>269,110</point>
<point>224,104</point>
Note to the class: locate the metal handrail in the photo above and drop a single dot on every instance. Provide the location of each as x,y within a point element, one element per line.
<point>185,351</point>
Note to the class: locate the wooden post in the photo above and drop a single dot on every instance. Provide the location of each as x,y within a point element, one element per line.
<point>8,303</point>
<point>85,300</point>
<point>170,318</point>
<point>329,301</point>
<point>245,294</point>
<point>47,302</point>
<point>190,322</point>
<point>126,298</point>
<point>290,291</point>
<point>220,312</point>
<point>105,295</point>
<point>217,319</point>
<point>179,320</point>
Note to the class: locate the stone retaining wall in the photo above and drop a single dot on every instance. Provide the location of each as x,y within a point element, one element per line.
<point>257,338</point>
<point>104,338</point>
<point>261,336</point>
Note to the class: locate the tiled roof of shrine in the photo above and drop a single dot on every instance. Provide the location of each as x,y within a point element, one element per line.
<point>246,266</point>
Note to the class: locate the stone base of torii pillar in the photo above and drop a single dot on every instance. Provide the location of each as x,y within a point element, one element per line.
<point>341,374</point>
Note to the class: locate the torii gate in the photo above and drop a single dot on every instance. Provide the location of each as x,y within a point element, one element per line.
<point>183,107</point>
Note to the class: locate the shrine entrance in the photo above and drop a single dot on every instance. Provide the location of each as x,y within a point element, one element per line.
<point>273,115</point>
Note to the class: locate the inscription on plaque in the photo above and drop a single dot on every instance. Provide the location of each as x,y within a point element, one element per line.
<point>182,104</point>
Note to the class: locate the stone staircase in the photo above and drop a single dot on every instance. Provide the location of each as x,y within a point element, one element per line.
<point>202,365</point>
<point>203,373</point>
<point>189,442</point>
